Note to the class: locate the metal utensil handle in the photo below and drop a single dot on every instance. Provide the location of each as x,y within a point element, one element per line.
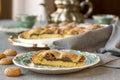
<point>90,9</point>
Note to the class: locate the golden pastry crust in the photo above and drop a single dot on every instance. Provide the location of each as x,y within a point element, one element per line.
<point>25,35</point>
<point>12,72</point>
<point>35,31</point>
<point>73,57</point>
<point>60,30</point>
<point>64,30</point>
<point>51,53</point>
<point>53,25</point>
<point>89,26</point>
<point>76,30</point>
<point>47,31</point>
<point>71,25</point>
<point>6,61</point>
<point>10,52</point>
<point>45,54</point>
<point>2,55</point>
<point>63,24</point>
<point>55,58</point>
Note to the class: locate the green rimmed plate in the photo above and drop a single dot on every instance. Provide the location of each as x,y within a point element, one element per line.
<point>12,29</point>
<point>24,61</point>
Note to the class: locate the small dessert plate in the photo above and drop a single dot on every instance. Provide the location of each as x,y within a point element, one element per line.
<point>24,61</point>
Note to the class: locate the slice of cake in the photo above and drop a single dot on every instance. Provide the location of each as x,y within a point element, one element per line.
<point>56,58</point>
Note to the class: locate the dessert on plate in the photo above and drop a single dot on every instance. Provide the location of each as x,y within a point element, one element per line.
<point>57,58</point>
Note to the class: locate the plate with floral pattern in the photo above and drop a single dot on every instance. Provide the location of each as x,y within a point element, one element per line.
<point>24,61</point>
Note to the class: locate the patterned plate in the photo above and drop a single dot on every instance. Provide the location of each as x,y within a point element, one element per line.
<point>24,61</point>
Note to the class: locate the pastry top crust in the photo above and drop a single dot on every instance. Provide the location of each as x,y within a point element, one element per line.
<point>52,53</point>
<point>47,54</point>
<point>73,57</point>
<point>55,55</point>
<point>89,26</point>
<point>63,28</point>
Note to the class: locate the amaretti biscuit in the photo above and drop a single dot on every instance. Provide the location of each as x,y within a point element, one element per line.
<point>2,55</point>
<point>10,52</point>
<point>6,61</point>
<point>12,72</point>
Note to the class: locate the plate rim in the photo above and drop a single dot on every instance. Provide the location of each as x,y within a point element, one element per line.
<point>16,42</point>
<point>12,29</point>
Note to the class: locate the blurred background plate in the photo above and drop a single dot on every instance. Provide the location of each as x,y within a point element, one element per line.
<point>105,19</point>
<point>37,41</point>
<point>12,29</point>
<point>16,42</point>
